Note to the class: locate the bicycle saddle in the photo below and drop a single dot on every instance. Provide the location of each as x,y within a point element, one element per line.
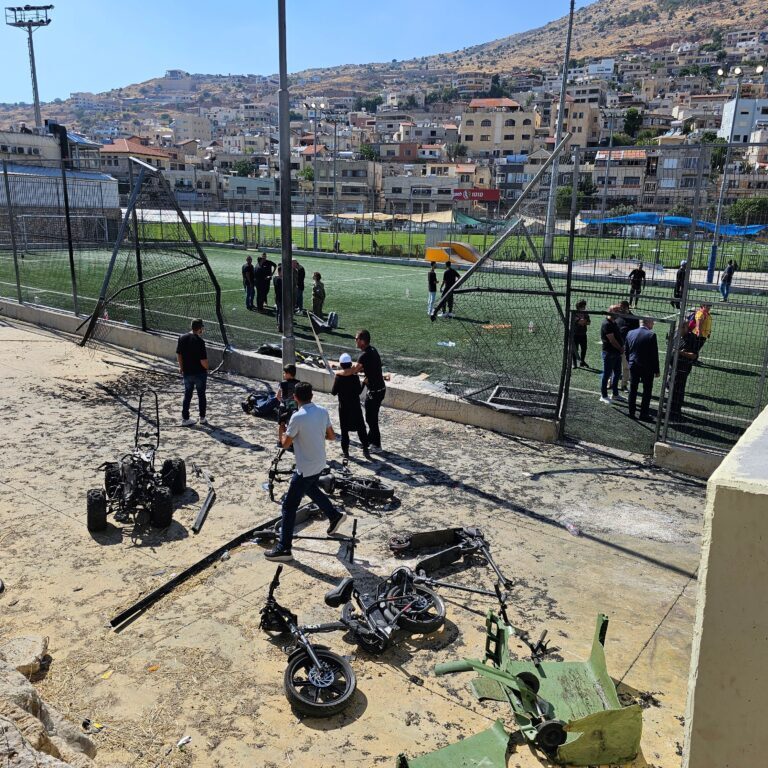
<point>341,593</point>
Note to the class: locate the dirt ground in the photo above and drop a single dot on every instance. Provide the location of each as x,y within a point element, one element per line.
<point>196,664</point>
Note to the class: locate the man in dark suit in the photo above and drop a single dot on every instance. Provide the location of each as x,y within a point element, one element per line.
<point>642,351</point>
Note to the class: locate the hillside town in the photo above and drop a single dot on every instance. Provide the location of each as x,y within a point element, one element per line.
<point>410,141</point>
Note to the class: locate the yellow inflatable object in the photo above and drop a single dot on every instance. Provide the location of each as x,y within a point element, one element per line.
<point>453,251</point>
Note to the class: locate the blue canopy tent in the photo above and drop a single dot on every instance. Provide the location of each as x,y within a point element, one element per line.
<point>656,219</point>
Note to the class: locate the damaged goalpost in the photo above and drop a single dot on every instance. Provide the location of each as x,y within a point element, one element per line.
<point>158,277</point>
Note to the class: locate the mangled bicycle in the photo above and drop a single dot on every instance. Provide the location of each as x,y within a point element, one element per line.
<point>367,490</point>
<point>319,682</point>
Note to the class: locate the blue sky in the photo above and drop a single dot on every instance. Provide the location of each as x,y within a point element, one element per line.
<point>95,46</point>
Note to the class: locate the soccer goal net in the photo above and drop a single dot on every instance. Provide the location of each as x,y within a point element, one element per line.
<point>156,280</point>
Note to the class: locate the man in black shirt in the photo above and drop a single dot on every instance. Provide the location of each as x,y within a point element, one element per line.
<point>348,389</point>
<point>679,285</point>
<point>369,363</point>
<point>431,288</point>
<point>610,336</point>
<point>249,281</point>
<point>264,271</point>
<point>687,345</point>
<point>278,284</point>
<point>627,322</point>
<point>636,283</point>
<point>299,274</point>
<point>450,276</point>
<point>193,366</point>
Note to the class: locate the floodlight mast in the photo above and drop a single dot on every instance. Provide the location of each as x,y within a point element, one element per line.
<point>30,17</point>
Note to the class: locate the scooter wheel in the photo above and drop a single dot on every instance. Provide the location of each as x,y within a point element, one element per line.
<point>550,735</point>
<point>423,609</point>
<point>319,691</point>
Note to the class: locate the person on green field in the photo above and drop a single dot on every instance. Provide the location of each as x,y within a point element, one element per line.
<point>636,283</point>
<point>318,294</point>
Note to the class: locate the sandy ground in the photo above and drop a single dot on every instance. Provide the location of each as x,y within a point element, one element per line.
<point>197,665</point>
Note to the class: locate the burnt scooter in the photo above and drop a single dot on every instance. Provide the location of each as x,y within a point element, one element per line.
<point>133,488</point>
<point>319,682</point>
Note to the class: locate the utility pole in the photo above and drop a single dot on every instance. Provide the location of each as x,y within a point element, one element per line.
<point>30,17</point>
<point>289,341</point>
<point>549,231</point>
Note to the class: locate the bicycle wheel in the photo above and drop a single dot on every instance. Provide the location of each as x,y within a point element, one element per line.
<point>424,609</point>
<point>368,488</point>
<point>319,691</point>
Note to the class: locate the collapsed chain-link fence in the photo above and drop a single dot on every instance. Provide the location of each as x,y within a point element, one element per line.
<point>507,344</point>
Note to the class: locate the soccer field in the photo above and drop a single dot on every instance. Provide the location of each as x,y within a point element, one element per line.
<point>391,300</point>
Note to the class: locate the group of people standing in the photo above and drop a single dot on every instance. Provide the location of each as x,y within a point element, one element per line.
<point>450,277</point>
<point>258,278</point>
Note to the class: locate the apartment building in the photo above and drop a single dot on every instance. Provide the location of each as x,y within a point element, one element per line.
<point>427,132</point>
<point>429,188</point>
<point>752,114</point>
<point>470,84</point>
<point>187,127</point>
<point>498,127</point>
<point>115,158</point>
<point>354,185</point>
<point>582,121</point>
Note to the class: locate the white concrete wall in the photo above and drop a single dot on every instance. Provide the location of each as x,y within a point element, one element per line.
<point>728,685</point>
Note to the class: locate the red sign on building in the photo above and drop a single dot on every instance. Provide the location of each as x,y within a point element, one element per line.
<point>477,195</point>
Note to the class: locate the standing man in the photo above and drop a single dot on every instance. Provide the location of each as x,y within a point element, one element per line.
<point>450,276</point>
<point>636,283</point>
<point>348,389</point>
<point>581,323</point>
<point>299,275</point>
<point>431,288</point>
<point>307,432</point>
<point>610,336</point>
<point>193,366</point>
<point>318,294</point>
<point>726,279</point>
<point>687,355</point>
<point>627,321</point>
<point>249,281</point>
<point>369,363</point>
<point>264,274</point>
<point>643,353</point>
<point>278,285</point>
<point>679,285</point>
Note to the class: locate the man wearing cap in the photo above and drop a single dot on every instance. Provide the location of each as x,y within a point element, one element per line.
<point>679,285</point>
<point>348,389</point>
<point>307,432</point>
<point>369,363</point>
<point>636,283</point>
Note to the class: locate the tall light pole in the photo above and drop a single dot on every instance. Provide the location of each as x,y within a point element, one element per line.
<point>315,107</point>
<point>712,264</point>
<point>549,230</point>
<point>286,261</point>
<point>30,17</point>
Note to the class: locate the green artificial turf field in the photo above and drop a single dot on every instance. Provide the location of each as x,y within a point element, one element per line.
<point>390,300</point>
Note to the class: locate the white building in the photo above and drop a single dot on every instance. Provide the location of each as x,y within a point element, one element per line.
<point>753,114</point>
<point>186,127</point>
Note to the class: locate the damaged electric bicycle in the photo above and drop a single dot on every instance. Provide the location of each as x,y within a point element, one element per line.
<point>319,682</point>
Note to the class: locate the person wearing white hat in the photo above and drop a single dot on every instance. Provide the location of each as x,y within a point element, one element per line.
<point>348,388</point>
<point>679,285</point>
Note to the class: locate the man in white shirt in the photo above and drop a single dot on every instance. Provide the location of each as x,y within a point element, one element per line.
<point>307,432</point>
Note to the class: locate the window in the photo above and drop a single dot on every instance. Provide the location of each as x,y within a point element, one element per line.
<point>667,183</point>
<point>688,182</point>
<point>526,136</point>
<point>669,162</point>
<point>485,124</point>
<point>528,122</point>
<point>509,123</point>
<point>464,178</point>
<point>444,191</point>
<point>421,192</point>
<point>469,137</point>
<point>485,137</point>
<point>470,122</point>
<point>397,190</point>
<point>690,163</point>
<point>240,190</point>
<point>509,137</point>
<point>631,181</point>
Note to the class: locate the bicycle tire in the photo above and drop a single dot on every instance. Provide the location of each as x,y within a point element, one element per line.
<point>427,615</point>
<point>313,700</point>
<point>367,488</point>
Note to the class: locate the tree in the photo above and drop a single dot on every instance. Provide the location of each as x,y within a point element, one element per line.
<point>645,138</point>
<point>563,200</point>
<point>243,167</point>
<point>308,173</point>
<point>753,210</point>
<point>622,140</point>
<point>456,150</point>
<point>632,121</point>
<point>369,152</point>
<point>410,102</point>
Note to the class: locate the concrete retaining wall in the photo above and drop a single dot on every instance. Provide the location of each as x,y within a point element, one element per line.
<point>728,683</point>
<point>399,394</point>
<point>699,463</point>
